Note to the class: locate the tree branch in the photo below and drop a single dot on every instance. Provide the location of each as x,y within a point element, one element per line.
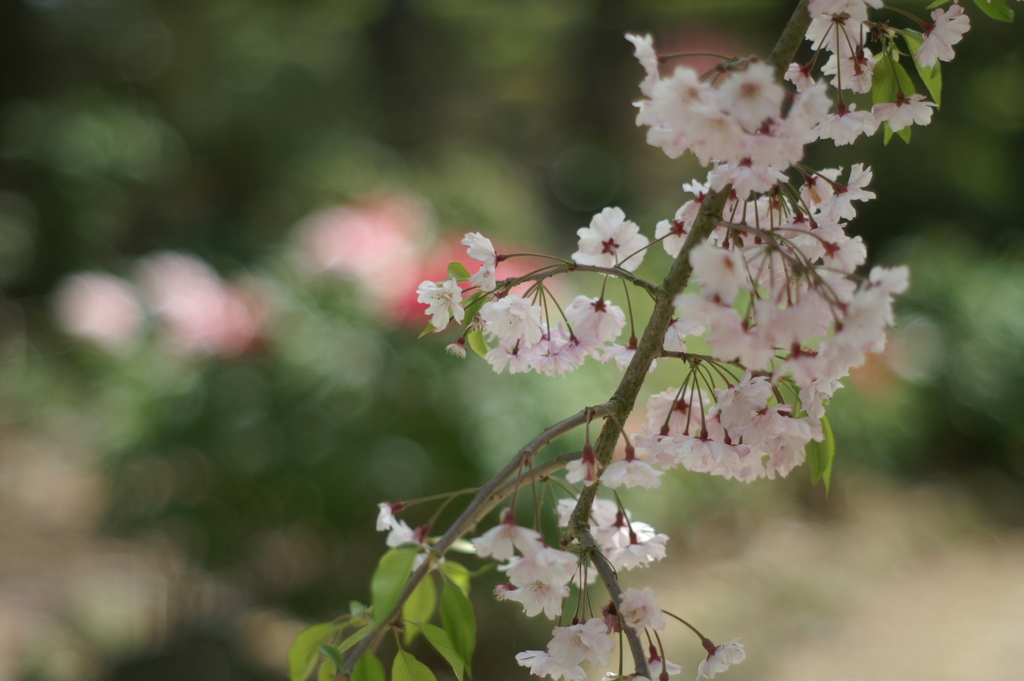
<point>607,575</point>
<point>620,405</point>
<point>469,517</point>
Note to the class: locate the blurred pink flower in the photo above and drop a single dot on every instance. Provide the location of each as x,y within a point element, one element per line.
<point>198,313</point>
<point>377,243</point>
<point>99,308</point>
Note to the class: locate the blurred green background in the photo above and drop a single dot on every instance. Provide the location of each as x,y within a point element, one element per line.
<point>214,215</point>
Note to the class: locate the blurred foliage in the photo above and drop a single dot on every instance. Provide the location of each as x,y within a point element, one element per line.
<point>132,127</point>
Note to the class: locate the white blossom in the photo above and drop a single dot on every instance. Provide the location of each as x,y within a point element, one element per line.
<point>611,241</point>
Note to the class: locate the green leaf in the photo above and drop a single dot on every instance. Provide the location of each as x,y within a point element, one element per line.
<point>368,668</point>
<point>475,303</point>
<point>438,638</point>
<point>356,609</point>
<point>354,638</point>
<point>997,9</point>
<point>821,454</point>
<point>328,670</point>
<point>331,653</point>
<point>885,76</point>
<point>457,573</point>
<point>420,606</point>
<point>458,270</point>
<point>391,575</point>
<point>931,76</point>
<point>477,343</point>
<point>938,3</point>
<point>459,622</point>
<point>408,668</point>
<point>424,332</point>
<point>303,656</point>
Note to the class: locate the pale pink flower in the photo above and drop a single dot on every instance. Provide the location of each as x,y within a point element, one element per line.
<point>631,472</point>
<point>676,230</point>
<point>639,609</point>
<point>846,125</point>
<point>904,111</point>
<point>611,241</point>
<point>513,318</point>
<point>947,29</point>
<point>800,76</point>
<point>481,248</point>
<point>443,302</point>
<point>99,308</point>
<point>585,641</point>
<point>541,663</point>
<point>852,72</point>
<point>736,405</point>
<point>535,597</point>
<point>386,516</point>
<point>595,321</point>
<point>720,658</point>
<point>752,95</point>
<point>656,665</point>
<point>648,58</point>
<point>639,553</point>
<point>508,354</point>
<point>546,565</point>
<point>498,542</point>
<point>720,273</point>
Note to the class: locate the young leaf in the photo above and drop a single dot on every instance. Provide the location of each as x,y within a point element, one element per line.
<point>938,3</point>
<point>327,671</point>
<point>424,332</point>
<point>391,575</point>
<point>356,609</point>
<point>821,454</point>
<point>408,668</point>
<point>463,546</point>
<point>419,607</point>
<point>368,668</point>
<point>458,270</point>
<point>459,622</point>
<point>354,638</point>
<point>932,76</point>
<point>438,638</point>
<point>997,9</point>
<point>330,653</point>
<point>457,573</point>
<point>304,655</point>
<point>477,343</point>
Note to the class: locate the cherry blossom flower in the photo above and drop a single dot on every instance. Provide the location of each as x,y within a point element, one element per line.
<point>947,29</point>
<point>498,542</point>
<point>585,641</point>
<point>752,95</point>
<point>644,548</point>
<point>595,321</point>
<point>386,516</point>
<point>443,302</point>
<point>720,272</point>
<point>546,565</point>
<point>513,318</point>
<point>535,597</point>
<point>611,241</point>
<point>631,472</point>
<point>481,248</point>
<point>904,111</point>
<point>640,610</point>
<point>542,663</point>
<point>656,665</point>
<point>720,658</point>
<point>508,354</point>
<point>846,125</point>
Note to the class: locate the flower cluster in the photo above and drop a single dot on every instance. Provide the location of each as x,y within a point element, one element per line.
<point>777,297</point>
